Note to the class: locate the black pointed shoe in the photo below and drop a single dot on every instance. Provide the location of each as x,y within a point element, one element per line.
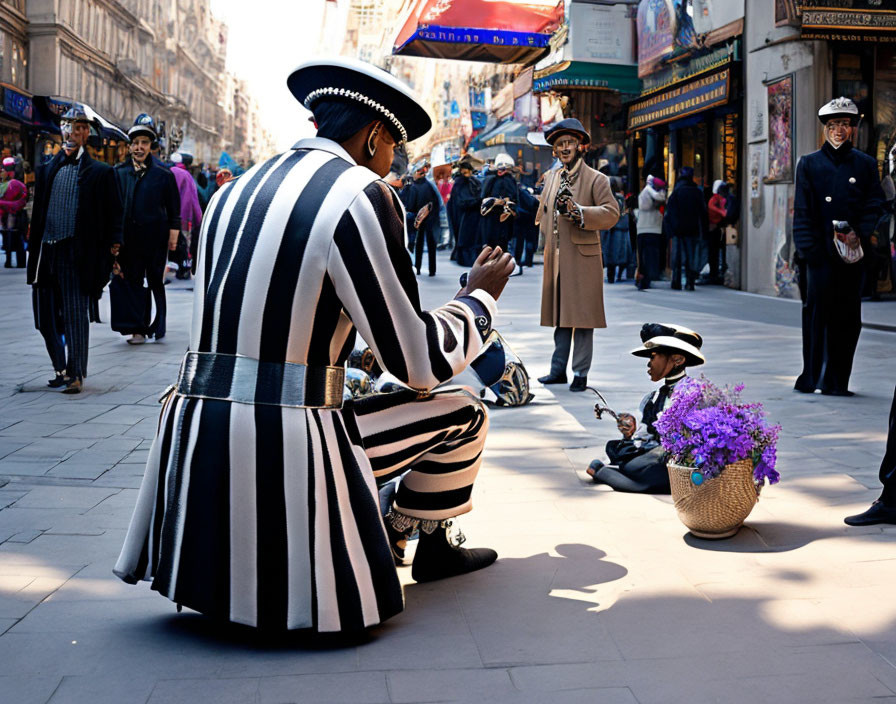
<point>59,380</point>
<point>578,383</point>
<point>552,379</point>
<point>878,513</point>
<point>438,557</point>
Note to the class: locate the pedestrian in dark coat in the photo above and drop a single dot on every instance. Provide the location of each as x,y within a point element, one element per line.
<point>422,203</point>
<point>151,223</point>
<point>75,232</point>
<point>525,231</point>
<point>499,199</point>
<point>463,214</point>
<point>835,183</point>
<point>686,221</point>
<point>615,244</point>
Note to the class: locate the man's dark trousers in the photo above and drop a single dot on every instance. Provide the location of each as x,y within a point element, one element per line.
<point>427,233</point>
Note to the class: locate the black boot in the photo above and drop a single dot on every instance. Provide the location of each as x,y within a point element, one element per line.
<point>60,380</point>
<point>437,557</point>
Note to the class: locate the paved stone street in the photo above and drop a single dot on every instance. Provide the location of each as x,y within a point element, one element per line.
<point>597,597</point>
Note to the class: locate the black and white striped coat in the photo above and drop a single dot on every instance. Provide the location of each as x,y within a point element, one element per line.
<point>267,515</point>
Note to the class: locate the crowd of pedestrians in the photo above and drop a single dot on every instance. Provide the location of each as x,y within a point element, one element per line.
<point>91,226</point>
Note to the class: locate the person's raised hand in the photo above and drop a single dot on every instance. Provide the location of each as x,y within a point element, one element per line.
<point>627,425</point>
<point>490,272</point>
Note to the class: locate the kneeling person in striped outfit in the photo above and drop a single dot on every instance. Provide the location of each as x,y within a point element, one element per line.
<point>259,503</point>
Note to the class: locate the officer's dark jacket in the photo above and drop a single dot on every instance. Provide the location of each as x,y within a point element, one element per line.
<point>151,204</point>
<point>834,184</point>
<point>97,223</point>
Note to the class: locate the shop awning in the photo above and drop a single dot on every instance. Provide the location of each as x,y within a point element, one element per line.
<point>497,31</point>
<point>676,102</point>
<point>584,75</point>
<point>506,132</point>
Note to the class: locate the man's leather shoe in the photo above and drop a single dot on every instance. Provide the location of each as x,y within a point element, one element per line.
<point>578,383</point>
<point>552,379</point>
<point>437,557</point>
<point>72,387</point>
<point>878,513</point>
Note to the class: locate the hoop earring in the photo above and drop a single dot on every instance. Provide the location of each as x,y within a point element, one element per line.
<point>371,142</point>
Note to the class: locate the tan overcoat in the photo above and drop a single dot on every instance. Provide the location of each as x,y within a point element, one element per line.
<point>573,263</point>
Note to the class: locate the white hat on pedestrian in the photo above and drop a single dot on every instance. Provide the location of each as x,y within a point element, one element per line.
<point>716,185</point>
<point>176,158</point>
<point>839,107</point>
<point>504,161</point>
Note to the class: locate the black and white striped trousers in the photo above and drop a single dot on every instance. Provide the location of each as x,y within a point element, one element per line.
<point>438,437</point>
<point>62,308</point>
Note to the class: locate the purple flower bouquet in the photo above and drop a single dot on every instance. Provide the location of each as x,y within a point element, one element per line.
<point>707,427</point>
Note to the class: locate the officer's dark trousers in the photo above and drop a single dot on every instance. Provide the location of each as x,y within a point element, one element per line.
<point>427,234</point>
<point>150,264</point>
<point>62,308</point>
<point>832,321</point>
<point>888,465</point>
<point>650,246</point>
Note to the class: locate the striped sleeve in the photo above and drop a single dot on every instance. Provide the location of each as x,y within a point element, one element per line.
<point>371,272</point>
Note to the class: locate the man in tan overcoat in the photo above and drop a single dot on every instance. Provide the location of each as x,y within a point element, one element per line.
<point>575,205</point>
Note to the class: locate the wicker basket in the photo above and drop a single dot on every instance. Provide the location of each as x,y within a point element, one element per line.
<point>718,507</point>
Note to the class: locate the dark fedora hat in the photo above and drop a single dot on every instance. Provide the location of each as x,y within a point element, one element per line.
<point>356,81</point>
<point>672,339</point>
<point>568,126</point>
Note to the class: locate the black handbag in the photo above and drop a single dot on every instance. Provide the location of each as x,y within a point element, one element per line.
<point>131,307</point>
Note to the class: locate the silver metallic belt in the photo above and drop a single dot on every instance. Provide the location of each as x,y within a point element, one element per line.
<point>229,377</point>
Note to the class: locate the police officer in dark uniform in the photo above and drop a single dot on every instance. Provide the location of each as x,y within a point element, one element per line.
<point>839,184</point>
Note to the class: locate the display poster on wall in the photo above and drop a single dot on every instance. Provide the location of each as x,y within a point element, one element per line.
<point>782,220</point>
<point>780,131</point>
<point>657,26</point>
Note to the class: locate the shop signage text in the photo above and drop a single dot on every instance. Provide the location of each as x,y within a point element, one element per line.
<point>681,101</point>
<point>848,24</point>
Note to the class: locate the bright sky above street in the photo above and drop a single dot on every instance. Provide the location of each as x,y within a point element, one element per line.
<point>267,39</point>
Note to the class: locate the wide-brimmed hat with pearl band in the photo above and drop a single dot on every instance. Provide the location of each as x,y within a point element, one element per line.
<point>357,81</point>
<point>665,337</point>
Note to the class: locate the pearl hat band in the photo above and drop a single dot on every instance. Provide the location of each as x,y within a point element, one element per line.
<point>354,95</point>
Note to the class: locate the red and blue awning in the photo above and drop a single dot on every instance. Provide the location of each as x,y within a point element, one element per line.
<point>497,31</point>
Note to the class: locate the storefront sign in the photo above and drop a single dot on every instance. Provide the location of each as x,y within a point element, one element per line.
<point>684,70</point>
<point>17,105</point>
<point>657,25</point>
<point>584,74</point>
<point>683,100</point>
<point>827,20</point>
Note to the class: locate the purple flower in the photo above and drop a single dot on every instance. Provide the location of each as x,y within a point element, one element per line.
<point>708,427</point>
